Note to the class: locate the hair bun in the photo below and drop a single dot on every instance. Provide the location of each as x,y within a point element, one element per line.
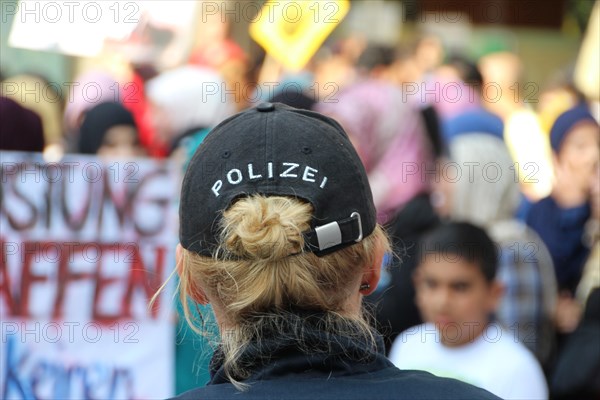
<point>264,229</point>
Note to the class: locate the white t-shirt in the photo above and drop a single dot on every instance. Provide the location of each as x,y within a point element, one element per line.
<point>495,361</point>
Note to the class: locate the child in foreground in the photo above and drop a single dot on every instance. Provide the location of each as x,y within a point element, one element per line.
<point>457,294</point>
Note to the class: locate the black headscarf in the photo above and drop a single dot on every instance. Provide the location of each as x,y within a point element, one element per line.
<point>97,121</point>
<point>20,128</point>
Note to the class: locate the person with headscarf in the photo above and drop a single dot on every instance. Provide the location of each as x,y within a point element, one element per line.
<point>560,218</point>
<point>22,129</point>
<point>40,96</point>
<point>481,189</point>
<point>87,90</point>
<point>109,129</point>
<point>186,102</point>
<point>476,120</point>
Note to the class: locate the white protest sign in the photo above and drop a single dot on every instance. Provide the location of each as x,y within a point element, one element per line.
<point>84,244</point>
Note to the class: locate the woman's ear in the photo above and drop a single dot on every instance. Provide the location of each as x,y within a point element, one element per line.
<point>195,291</point>
<point>372,273</point>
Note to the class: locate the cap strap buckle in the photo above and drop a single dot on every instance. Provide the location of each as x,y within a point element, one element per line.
<point>360,232</point>
<point>335,233</point>
<point>328,235</point>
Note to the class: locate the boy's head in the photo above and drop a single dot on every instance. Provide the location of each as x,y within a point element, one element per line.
<point>455,281</point>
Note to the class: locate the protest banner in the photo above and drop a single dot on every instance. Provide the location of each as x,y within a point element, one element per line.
<point>85,243</point>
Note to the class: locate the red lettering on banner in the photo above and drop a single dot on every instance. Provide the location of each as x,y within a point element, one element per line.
<point>28,278</point>
<point>139,277</point>
<point>5,287</point>
<point>66,275</point>
<point>120,202</point>
<point>98,197</point>
<point>101,283</point>
<point>76,219</point>
<point>15,222</point>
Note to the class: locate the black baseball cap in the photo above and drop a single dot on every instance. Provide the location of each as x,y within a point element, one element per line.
<point>274,149</point>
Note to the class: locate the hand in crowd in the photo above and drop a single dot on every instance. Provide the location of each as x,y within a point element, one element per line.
<point>568,313</point>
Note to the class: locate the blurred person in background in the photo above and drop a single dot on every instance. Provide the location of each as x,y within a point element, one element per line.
<point>215,49</point>
<point>450,86</point>
<point>485,192</point>
<point>134,99</point>
<point>109,130</point>
<point>388,133</point>
<point>577,371</point>
<point>558,96</point>
<point>576,374</point>
<point>90,88</point>
<point>461,67</point>
<point>332,68</point>
<point>417,62</point>
<point>294,98</point>
<point>21,129</point>
<point>528,135</point>
<point>392,139</point>
<point>40,96</point>
<point>337,62</point>
<point>477,119</point>
<point>509,98</point>
<point>185,103</point>
<point>449,95</point>
<point>560,218</point>
<point>457,294</point>
<point>428,53</point>
<point>500,72</point>
<point>293,88</point>
<point>590,278</point>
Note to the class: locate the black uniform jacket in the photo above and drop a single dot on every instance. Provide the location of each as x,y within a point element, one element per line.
<point>322,365</point>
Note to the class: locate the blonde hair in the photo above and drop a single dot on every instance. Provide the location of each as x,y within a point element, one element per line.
<point>260,274</point>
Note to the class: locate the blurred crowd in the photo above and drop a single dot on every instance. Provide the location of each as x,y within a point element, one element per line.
<point>443,138</point>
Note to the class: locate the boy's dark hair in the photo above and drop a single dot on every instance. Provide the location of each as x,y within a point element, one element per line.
<point>464,240</point>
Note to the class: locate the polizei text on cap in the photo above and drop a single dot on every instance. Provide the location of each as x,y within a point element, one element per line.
<point>285,170</point>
